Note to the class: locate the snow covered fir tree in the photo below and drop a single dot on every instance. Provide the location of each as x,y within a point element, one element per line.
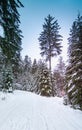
<point>7,83</point>
<point>11,40</point>
<point>74,69</point>
<point>50,41</point>
<point>45,84</point>
<point>1,67</point>
<point>59,78</point>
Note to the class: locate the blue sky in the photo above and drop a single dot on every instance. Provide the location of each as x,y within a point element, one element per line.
<point>32,19</point>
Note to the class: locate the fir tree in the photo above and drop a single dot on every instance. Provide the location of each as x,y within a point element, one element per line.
<point>50,39</point>
<point>7,81</point>
<point>41,66</point>
<point>45,84</point>
<point>1,67</point>
<point>74,70</point>
<point>34,66</point>
<point>59,77</point>
<point>27,63</point>
<point>11,40</point>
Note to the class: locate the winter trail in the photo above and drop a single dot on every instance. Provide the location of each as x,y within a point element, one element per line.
<point>26,111</point>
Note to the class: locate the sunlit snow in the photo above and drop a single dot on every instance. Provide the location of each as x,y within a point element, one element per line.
<point>26,111</point>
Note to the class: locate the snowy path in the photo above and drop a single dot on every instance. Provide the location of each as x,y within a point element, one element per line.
<point>26,111</point>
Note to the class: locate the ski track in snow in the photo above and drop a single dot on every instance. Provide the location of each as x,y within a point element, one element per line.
<point>26,111</point>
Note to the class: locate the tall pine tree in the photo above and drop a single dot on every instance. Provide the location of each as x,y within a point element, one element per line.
<point>74,70</point>
<point>50,39</point>
<point>11,40</point>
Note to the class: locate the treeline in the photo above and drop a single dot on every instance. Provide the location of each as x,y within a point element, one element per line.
<point>34,77</point>
<point>74,69</point>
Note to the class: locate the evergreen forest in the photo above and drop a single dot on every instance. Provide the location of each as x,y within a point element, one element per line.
<point>37,76</point>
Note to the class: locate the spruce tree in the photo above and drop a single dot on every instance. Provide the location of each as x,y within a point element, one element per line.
<point>7,81</point>
<point>59,77</point>
<point>41,66</point>
<point>45,84</point>
<point>74,69</point>
<point>34,66</point>
<point>50,39</point>
<point>27,63</point>
<point>11,40</point>
<point>1,67</point>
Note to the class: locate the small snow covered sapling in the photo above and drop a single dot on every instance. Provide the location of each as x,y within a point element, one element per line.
<point>7,81</point>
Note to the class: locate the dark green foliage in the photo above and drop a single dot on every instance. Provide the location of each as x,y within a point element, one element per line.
<point>10,42</point>
<point>45,84</point>
<point>50,39</point>
<point>1,66</point>
<point>7,80</point>
<point>1,59</point>
<point>9,20</point>
<point>74,70</point>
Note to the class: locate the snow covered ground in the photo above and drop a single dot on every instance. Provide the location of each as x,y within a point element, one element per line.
<point>26,111</point>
